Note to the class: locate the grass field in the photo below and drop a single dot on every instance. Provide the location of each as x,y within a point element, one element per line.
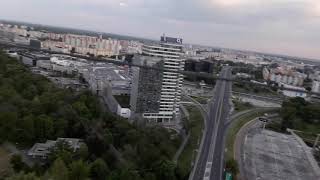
<point>4,162</point>
<point>241,106</point>
<point>195,126</point>
<point>201,100</point>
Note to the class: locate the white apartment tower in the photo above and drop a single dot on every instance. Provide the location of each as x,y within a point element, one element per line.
<point>156,91</point>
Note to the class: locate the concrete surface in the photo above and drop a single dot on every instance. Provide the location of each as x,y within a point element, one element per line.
<point>269,155</point>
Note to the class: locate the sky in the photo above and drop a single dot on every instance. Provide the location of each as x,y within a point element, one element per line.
<point>290,27</point>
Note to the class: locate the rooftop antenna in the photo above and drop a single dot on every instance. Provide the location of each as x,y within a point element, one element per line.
<point>164,37</point>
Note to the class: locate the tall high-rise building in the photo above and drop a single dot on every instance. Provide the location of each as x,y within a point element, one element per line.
<point>156,88</point>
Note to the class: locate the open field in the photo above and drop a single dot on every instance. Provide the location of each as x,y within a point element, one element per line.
<point>241,106</point>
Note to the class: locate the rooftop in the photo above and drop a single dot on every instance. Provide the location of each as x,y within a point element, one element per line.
<point>43,149</point>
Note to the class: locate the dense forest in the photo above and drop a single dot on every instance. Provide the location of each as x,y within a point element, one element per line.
<point>33,110</point>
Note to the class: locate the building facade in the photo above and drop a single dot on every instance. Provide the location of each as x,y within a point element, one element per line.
<point>156,87</point>
<point>316,86</point>
<point>280,75</point>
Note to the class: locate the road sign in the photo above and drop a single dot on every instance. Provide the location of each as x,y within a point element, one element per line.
<point>228,176</point>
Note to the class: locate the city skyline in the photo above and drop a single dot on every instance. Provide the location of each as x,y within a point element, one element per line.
<point>282,27</point>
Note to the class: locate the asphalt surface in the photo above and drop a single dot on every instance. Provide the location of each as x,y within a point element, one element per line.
<point>210,163</point>
<point>266,155</point>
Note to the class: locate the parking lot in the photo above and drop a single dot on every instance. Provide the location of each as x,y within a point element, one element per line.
<point>269,155</point>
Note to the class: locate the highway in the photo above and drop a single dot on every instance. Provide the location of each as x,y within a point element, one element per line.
<point>210,162</point>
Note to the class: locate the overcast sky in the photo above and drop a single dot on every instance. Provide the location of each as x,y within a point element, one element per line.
<point>289,27</point>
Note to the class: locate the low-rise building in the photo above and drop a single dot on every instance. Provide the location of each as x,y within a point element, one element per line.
<point>285,76</point>
<point>107,81</point>
<point>296,91</point>
<point>316,86</point>
<point>42,150</point>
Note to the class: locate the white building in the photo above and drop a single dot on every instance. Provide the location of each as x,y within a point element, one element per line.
<point>298,93</point>
<point>285,76</point>
<point>316,86</point>
<point>156,95</point>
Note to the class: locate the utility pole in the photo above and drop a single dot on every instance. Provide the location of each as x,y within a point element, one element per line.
<point>264,125</point>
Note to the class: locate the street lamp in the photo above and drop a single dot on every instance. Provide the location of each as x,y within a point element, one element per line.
<point>264,120</point>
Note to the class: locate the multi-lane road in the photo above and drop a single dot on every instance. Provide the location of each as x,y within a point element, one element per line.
<point>210,161</point>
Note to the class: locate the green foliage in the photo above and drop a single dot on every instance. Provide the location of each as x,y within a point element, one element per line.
<point>17,163</point>
<point>33,110</point>
<point>99,169</point>
<point>23,176</point>
<point>124,174</point>
<point>241,106</point>
<point>83,152</point>
<point>62,151</point>
<point>59,170</point>
<point>165,170</point>
<point>297,113</point>
<point>79,170</point>
<point>232,166</point>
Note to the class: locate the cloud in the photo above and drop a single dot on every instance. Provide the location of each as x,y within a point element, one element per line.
<point>123,4</point>
<point>287,26</point>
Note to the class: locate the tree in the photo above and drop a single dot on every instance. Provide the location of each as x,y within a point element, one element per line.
<point>61,150</point>
<point>17,163</point>
<point>23,176</point>
<point>165,170</point>
<point>43,127</point>
<point>308,89</point>
<point>82,109</point>
<point>150,176</point>
<point>288,115</point>
<point>232,166</point>
<point>107,137</point>
<point>8,121</point>
<point>27,133</point>
<point>83,151</point>
<point>79,170</point>
<point>59,170</point>
<point>60,126</point>
<point>99,169</point>
<point>124,174</point>
<point>30,92</point>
